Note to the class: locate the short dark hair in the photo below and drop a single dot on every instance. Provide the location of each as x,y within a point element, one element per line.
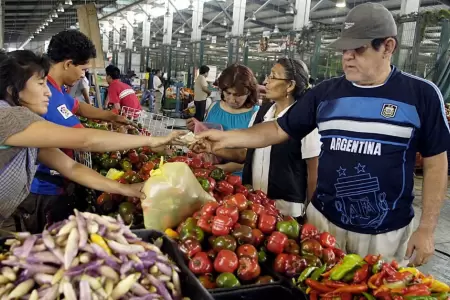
<point>71,45</point>
<point>148,69</point>
<point>297,71</point>
<point>376,43</point>
<point>113,72</point>
<point>242,79</point>
<point>16,68</point>
<point>157,70</point>
<point>204,69</point>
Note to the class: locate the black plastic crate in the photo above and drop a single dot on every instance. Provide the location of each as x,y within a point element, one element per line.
<point>261,292</point>
<point>190,285</point>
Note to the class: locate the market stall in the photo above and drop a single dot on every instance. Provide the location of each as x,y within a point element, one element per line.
<point>216,239</point>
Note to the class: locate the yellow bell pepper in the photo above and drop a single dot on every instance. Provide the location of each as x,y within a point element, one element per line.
<point>439,287</point>
<point>114,174</point>
<point>97,239</point>
<point>171,233</point>
<point>413,271</point>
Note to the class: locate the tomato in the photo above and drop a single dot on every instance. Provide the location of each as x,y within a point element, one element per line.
<point>207,282</point>
<point>280,263</point>
<point>238,200</point>
<point>205,223</point>
<point>200,264</point>
<point>228,210</point>
<point>311,247</point>
<point>328,256</point>
<point>327,240</point>
<point>209,208</point>
<point>234,180</point>
<point>226,261</point>
<point>196,163</point>
<point>103,197</point>
<point>248,268</point>
<point>308,230</point>
<point>247,250</point>
<point>258,237</point>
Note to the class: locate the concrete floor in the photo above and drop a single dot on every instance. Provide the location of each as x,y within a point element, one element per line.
<point>439,266</point>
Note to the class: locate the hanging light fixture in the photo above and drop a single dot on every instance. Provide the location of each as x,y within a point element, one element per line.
<point>68,2</point>
<point>191,6</point>
<point>157,44</point>
<point>290,10</point>
<point>182,29</point>
<point>341,3</point>
<point>200,26</point>
<point>54,14</point>
<point>208,37</point>
<point>60,7</point>
<point>45,23</point>
<point>224,22</point>
<point>154,35</point>
<point>227,34</point>
<point>167,13</point>
<point>276,29</point>
<point>253,18</point>
<point>249,33</point>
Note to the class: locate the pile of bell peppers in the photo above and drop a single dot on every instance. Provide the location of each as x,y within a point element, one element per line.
<point>370,278</point>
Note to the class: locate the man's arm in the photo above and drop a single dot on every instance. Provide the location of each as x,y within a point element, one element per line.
<point>205,86</point>
<point>91,112</point>
<point>312,164</point>
<point>67,167</point>
<point>85,93</point>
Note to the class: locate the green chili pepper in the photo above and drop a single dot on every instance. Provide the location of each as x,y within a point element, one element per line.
<point>419,298</point>
<point>319,271</point>
<point>305,274</point>
<point>349,262</point>
<point>440,296</point>
<point>377,267</point>
<point>262,256</point>
<point>368,296</point>
<point>349,276</point>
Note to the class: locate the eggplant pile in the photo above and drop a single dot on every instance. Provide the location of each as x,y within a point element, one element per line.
<point>87,257</point>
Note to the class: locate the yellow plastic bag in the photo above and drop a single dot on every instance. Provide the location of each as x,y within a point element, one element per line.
<point>172,194</point>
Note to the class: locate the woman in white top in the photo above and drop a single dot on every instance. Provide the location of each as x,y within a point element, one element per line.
<point>286,172</point>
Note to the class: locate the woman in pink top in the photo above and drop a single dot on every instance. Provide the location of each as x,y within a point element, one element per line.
<point>119,93</point>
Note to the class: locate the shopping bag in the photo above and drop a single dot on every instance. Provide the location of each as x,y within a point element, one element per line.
<point>173,193</point>
<point>204,126</point>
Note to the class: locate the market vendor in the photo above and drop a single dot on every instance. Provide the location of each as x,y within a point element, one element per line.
<point>372,122</point>
<point>120,94</point>
<point>25,96</point>
<point>291,163</point>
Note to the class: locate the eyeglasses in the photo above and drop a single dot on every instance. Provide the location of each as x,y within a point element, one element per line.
<point>271,77</point>
<point>358,51</point>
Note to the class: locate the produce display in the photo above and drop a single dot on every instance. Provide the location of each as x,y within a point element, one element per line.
<point>87,257</point>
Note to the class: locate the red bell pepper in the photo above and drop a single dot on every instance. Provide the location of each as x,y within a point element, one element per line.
<point>327,240</point>
<point>196,163</point>
<point>209,208</point>
<point>267,223</point>
<point>205,223</point>
<point>257,208</point>
<point>190,247</point>
<point>204,173</point>
<point>226,261</point>
<point>254,198</point>
<point>234,180</point>
<point>229,211</point>
<point>308,230</point>
<point>258,237</point>
<point>238,200</point>
<point>212,184</point>
<point>280,263</point>
<point>362,274</point>
<point>224,188</point>
<point>372,259</point>
<point>200,264</point>
<point>221,225</point>
<point>241,189</point>
<point>276,242</point>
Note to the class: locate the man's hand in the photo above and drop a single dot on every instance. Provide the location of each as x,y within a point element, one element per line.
<point>132,190</point>
<point>121,120</point>
<point>422,243</point>
<point>218,139</point>
<point>201,146</point>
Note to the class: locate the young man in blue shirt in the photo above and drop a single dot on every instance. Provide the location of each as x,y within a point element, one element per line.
<point>372,121</point>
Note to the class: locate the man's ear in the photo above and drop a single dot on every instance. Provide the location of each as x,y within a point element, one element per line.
<point>390,45</point>
<point>67,64</point>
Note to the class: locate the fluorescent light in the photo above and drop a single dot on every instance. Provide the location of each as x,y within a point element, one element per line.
<point>276,29</point>
<point>60,8</point>
<point>341,3</point>
<point>68,2</point>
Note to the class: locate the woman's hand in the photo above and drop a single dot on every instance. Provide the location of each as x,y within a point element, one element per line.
<point>132,190</point>
<point>201,146</point>
<point>190,123</point>
<point>171,139</point>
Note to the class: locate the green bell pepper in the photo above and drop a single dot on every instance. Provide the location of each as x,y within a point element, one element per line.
<point>194,232</point>
<point>204,183</point>
<point>319,271</point>
<point>368,296</point>
<point>217,174</point>
<point>227,280</point>
<point>349,262</point>
<point>290,228</point>
<point>440,296</point>
<point>305,274</point>
<point>377,267</point>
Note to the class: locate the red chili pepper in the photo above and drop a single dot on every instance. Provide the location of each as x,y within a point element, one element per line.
<point>371,259</point>
<point>416,290</point>
<point>400,276</point>
<point>395,265</point>
<point>221,225</point>
<point>276,242</point>
<point>334,284</point>
<point>362,274</point>
<point>388,269</point>
<point>313,295</point>
<point>267,223</point>
<point>353,289</point>
<point>224,188</point>
<point>320,287</point>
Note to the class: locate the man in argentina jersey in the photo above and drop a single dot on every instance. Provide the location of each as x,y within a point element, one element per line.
<point>372,122</point>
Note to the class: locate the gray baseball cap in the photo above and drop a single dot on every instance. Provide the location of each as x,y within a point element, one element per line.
<point>364,23</point>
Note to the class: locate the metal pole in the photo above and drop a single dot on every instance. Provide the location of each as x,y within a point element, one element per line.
<point>217,16</point>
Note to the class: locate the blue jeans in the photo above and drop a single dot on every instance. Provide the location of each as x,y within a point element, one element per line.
<point>149,96</point>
